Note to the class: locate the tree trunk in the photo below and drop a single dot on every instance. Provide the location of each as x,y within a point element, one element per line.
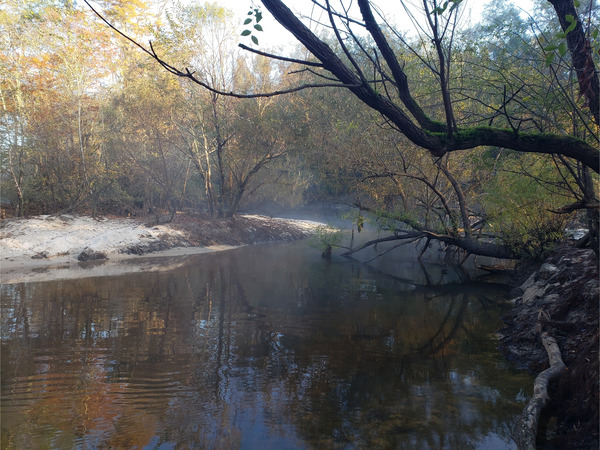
<point>581,55</point>
<point>20,207</point>
<point>464,214</point>
<point>471,246</point>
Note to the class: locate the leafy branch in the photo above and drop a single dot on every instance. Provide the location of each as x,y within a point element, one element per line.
<point>441,9</point>
<point>256,16</point>
<point>562,47</point>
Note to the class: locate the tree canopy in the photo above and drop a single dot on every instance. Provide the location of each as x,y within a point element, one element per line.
<point>481,137</point>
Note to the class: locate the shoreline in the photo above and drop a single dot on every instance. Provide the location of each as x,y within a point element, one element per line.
<point>559,300</point>
<point>23,269</point>
<point>565,288</point>
<point>45,248</point>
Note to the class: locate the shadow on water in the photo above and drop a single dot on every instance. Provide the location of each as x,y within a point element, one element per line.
<point>260,347</point>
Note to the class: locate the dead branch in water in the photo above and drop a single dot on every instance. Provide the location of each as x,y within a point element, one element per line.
<point>528,420</point>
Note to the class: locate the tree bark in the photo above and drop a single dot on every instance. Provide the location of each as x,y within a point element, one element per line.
<point>581,55</point>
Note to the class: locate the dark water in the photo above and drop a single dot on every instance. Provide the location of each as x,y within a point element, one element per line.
<point>260,347</point>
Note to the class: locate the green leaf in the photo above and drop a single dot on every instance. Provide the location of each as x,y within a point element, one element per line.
<point>455,3</point>
<point>258,27</point>
<point>572,23</point>
<point>440,9</point>
<point>550,48</point>
<point>550,58</point>
<point>246,32</point>
<point>561,35</point>
<point>255,40</point>
<point>258,16</point>
<point>577,3</point>
<point>562,48</point>
<point>595,34</point>
<point>247,21</point>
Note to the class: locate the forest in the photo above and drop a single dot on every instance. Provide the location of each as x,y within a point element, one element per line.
<point>434,126</point>
<point>482,135</point>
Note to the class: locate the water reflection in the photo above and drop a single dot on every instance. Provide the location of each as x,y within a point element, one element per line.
<point>262,347</point>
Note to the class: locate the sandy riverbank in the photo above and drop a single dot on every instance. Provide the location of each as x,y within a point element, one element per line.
<point>47,247</point>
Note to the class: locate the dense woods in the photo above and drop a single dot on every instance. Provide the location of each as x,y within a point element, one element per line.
<point>483,136</point>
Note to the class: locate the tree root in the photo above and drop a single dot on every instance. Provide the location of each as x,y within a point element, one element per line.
<point>527,424</point>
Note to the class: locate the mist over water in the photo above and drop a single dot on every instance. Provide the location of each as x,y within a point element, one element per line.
<point>259,347</point>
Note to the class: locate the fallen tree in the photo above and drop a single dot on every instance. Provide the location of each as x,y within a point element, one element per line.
<point>470,246</point>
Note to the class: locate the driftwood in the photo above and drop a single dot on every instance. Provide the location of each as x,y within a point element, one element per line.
<point>527,426</point>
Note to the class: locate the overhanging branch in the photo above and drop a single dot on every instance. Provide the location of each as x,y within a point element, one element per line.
<point>421,130</point>
<point>187,73</point>
<point>280,58</point>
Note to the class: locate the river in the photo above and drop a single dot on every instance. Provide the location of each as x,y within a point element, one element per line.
<point>258,347</point>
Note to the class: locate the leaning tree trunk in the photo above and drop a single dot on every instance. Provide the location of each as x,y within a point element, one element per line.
<point>581,55</point>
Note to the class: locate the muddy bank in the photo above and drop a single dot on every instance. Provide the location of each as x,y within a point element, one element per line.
<point>561,297</point>
<point>241,230</point>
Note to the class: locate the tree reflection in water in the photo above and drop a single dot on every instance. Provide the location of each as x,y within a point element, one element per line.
<point>259,347</point>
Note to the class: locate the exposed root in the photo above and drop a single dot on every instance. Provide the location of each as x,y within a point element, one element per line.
<point>529,418</point>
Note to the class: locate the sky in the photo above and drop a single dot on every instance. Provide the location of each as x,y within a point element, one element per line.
<point>274,35</point>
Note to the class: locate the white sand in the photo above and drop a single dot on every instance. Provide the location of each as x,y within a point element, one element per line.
<point>70,235</point>
<point>45,247</point>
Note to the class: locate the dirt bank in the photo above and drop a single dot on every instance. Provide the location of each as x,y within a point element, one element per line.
<point>562,298</point>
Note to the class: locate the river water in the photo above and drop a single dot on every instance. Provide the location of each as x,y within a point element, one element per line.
<point>259,347</point>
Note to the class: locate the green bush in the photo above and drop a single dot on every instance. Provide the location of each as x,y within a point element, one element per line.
<point>520,213</point>
<point>325,238</point>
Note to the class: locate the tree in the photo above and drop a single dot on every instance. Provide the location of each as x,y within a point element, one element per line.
<point>436,136</point>
<point>388,91</point>
<point>368,59</point>
<point>52,148</point>
<point>15,94</point>
<point>228,142</point>
<point>141,131</point>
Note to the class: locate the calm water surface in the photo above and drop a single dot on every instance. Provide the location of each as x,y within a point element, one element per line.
<point>259,347</point>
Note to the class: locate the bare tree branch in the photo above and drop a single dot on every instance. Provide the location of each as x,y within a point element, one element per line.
<point>186,73</point>
<point>280,58</point>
